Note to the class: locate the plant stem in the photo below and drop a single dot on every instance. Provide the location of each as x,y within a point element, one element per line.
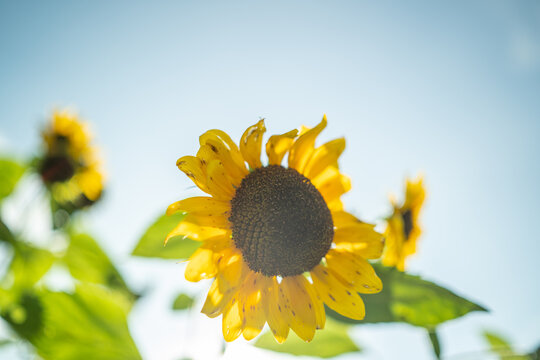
<point>435,344</point>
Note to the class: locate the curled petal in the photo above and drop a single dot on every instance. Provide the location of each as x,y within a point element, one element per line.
<point>302,148</point>
<point>221,136</point>
<point>194,169</point>
<point>218,183</point>
<point>251,142</point>
<point>278,145</point>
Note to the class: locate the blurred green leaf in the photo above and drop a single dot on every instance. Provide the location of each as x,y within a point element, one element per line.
<point>502,347</point>
<point>410,299</point>
<point>86,261</point>
<point>151,243</point>
<point>4,342</point>
<point>10,173</point>
<point>331,341</point>
<point>182,302</point>
<point>29,264</point>
<point>89,324</point>
<point>26,315</point>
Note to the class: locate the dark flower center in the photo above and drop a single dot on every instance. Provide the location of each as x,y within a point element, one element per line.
<point>56,168</point>
<point>406,216</point>
<point>280,222</point>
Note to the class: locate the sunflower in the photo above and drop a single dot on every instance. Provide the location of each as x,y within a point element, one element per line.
<point>402,228</point>
<point>275,239</point>
<point>69,166</point>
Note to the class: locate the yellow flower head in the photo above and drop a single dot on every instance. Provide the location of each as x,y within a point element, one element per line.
<point>275,238</point>
<point>70,166</point>
<point>403,229</point>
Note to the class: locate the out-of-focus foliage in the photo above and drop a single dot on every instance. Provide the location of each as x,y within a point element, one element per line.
<point>182,302</point>
<point>334,340</point>
<point>25,314</point>
<point>90,323</point>
<point>502,347</point>
<point>86,261</point>
<point>29,264</point>
<point>410,299</point>
<point>10,173</point>
<point>151,244</point>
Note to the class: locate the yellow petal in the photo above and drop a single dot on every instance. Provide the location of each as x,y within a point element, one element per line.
<point>219,185</point>
<point>395,239</point>
<point>221,136</point>
<point>233,320</point>
<point>200,205</point>
<point>218,297</point>
<point>201,265</point>
<point>194,169</point>
<point>332,184</point>
<point>324,156</point>
<point>232,267</point>
<point>254,306</point>
<point>278,145</point>
<point>360,232</point>
<point>337,295</point>
<point>343,218</point>
<point>277,320</point>
<point>217,221</point>
<point>302,148</point>
<point>302,310</point>
<point>194,231</point>
<point>355,271</point>
<point>335,205</point>
<point>366,250</point>
<point>318,305</point>
<point>214,150</point>
<point>251,142</point>
<point>360,238</point>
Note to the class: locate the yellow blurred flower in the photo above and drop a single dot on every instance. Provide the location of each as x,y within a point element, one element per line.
<point>70,167</point>
<point>402,228</point>
<point>275,239</point>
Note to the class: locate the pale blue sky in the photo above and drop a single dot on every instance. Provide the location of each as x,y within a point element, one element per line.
<point>449,89</point>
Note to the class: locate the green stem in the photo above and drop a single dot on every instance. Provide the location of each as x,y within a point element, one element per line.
<point>435,344</point>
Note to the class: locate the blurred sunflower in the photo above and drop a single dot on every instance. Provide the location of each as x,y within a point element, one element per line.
<point>276,239</point>
<point>69,166</point>
<point>402,227</point>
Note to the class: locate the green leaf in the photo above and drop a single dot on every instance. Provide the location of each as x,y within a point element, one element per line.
<point>182,302</point>
<point>410,299</point>
<point>331,341</point>
<point>26,315</point>
<point>502,347</point>
<point>10,173</point>
<point>151,243</point>
<point>89,324</point>
<point>86,261</point>
<point>29,264</point>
